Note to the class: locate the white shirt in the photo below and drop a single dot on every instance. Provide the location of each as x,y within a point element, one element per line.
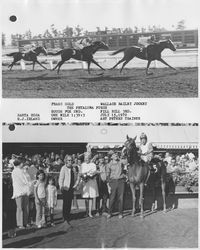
<point>41,190</point>
<point>20,184</point>
<point>147,148</point>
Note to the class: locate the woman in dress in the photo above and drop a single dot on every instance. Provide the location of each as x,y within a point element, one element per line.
<point>88,171</point>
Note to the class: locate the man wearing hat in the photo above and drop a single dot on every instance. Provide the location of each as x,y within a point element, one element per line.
<point>116,180</point>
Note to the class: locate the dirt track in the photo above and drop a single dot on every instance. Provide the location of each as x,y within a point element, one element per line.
<point>78,84</point>
<point>177,228</point>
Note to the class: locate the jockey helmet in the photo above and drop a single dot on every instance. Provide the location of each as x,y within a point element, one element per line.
<point>143,135</point>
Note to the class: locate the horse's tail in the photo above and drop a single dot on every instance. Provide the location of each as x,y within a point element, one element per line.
<point>12,54</point>
<point>55,54</point>
<point>118,51</point>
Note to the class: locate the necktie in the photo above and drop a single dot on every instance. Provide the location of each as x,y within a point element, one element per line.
<point>72,178</point>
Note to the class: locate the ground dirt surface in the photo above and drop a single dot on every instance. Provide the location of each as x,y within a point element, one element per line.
<point>176,228</point>
<point>132,83</point>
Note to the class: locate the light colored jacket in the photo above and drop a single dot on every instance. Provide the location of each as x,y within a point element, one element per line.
<point>20,183</point>
<point>65,177</point>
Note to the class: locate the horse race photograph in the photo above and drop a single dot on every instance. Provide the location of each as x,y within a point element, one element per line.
<point>130,186</point>
<point>100,49</point>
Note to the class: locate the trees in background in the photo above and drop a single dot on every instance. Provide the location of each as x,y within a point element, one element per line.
<point>181,25</point>
<point>68,31</point>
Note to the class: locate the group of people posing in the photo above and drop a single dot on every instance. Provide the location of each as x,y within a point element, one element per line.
<point>99,179</point>
<point>96,178</point>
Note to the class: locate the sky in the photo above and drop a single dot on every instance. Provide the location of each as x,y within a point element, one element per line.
<point>38,15</point>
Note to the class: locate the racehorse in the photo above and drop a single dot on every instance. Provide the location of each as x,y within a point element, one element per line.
<point>154,53</point>
<point>28,56</point>
<point>85,54</point>
<point>138,173</point>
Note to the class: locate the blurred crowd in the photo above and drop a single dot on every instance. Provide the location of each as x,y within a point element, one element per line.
<point>53,162</point>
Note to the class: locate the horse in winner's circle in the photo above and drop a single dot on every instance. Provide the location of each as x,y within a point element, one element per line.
<point>28,56</point>
<point>138,173</point>
<point>154,53</point>
<point>85,54</point>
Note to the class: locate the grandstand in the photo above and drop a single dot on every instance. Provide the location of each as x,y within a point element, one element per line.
<point>181,38</point>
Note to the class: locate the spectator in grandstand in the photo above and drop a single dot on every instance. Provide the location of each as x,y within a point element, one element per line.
<point>172,166</point>
<point>167,158</point>
<point>67,185</point>
<point>51,198</point>
<point>41,199</point>
<point>20,190</point>
<point>5,163</point>
<point>88,171</point>
<point>191,164</point>
<point>11,161</point>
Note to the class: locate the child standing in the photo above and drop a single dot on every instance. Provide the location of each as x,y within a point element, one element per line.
<point>51,198</point>
<point>40,199</point>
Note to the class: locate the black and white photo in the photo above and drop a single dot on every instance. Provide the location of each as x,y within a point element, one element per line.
<point>130,185</point>
<point>100,49</point>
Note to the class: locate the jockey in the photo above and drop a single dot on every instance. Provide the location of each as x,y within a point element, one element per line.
<point>82,43</point>
<point>30,48</point>
<point>145,44</point>
<point>145,149</point>
<point>146,153</point>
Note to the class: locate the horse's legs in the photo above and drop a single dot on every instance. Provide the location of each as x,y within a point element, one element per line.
<point>33,65</point>
<point>89,62</point>
<point>12,64</point>
<point>40,64</point>
<point>141,199</point>
<point>93,61</point>
<point>148,64</point>
<point>120,61</point>
<point>154,198</point>
<point>161,60</point>
<point>124,64</point>
<point>132,186</point>
<point>59,66</point>
<point>163,184</point>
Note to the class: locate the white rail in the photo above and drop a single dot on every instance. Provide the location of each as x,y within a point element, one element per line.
<point>105,58</point>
